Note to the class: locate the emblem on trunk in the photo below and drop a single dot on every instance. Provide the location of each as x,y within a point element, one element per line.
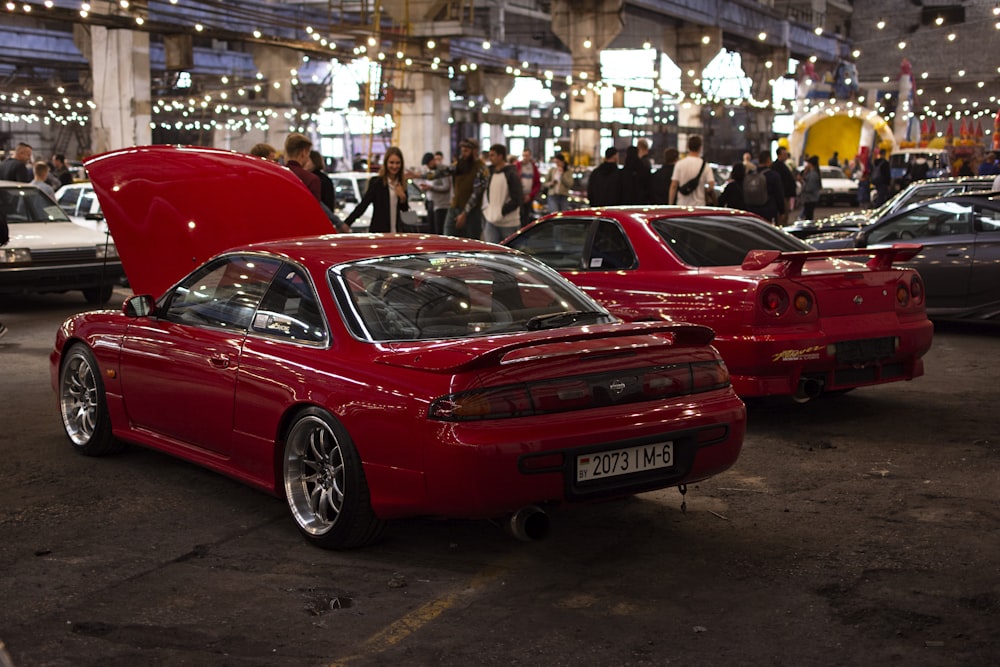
<point>617,387</point>
<point>858,300</point>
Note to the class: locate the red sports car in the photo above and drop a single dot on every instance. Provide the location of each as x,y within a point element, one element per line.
<point>370,377</point>
<point>788,319</point>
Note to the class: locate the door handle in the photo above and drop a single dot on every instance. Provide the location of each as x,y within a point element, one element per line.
<point>220,361</point>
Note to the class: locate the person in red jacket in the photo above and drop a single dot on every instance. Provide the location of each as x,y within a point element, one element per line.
<point>531,184</point>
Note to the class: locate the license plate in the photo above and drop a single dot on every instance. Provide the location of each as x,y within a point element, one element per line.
<point>601,465</point>
<point>869,349</point>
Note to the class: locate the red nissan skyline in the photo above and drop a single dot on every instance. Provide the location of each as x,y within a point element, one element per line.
<point>789,320</point>
<point>364,378</point>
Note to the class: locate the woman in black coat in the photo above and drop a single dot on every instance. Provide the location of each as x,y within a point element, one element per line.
<point>732,196</point>
<point>635,178</point>
<point>387,193</point>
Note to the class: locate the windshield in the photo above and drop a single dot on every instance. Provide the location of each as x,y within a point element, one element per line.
<point>457,295</point>
<point>29,204</point>
<point>722,241</point>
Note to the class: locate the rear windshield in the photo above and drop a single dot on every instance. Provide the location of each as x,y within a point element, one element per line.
<point>29,204</point>
<point>722,241</point>
<point>457,295</point>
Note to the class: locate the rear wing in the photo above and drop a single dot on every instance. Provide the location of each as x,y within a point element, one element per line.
<point>790,263</point>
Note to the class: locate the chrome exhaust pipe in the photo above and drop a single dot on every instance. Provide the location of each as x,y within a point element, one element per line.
<point>529,523</point>
<point>808,389</point>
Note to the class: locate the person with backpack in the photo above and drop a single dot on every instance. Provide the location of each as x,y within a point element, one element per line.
<point>763,193</point>
<point>692,176</point>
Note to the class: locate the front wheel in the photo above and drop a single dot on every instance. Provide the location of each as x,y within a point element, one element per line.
<point>98,296</point>
<point>325,484</point>
<point>83,404</point>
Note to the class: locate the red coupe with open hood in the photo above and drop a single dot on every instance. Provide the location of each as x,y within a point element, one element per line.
<point>789,320</point>
<point>371,377</point>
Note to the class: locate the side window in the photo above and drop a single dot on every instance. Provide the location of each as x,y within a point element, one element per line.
<point>559,243</point>
<point>289,308</point>
<point>987,221</point>
<point>936,219</point>
<point>611,249</point>
<point>68,199</point>
<point>224,293</point>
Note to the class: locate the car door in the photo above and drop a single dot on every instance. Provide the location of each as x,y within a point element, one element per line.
<point>984,284</point>
<point>179,368</point>
<point>945,230</point>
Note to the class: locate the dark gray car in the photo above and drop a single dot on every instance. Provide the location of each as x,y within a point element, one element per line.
<point>918,191</point>
<point>960,258</point>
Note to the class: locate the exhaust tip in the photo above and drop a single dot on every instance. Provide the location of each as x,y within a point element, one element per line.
<point>808,389</point>
<point>529,524</point>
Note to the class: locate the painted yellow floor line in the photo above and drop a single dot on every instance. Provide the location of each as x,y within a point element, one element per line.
<point>398,631</point>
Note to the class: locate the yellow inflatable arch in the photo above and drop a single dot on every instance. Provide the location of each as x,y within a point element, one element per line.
<point>841,129</point>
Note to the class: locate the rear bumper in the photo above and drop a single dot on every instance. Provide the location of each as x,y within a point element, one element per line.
<point>774,365</point>
<point>491,469</point>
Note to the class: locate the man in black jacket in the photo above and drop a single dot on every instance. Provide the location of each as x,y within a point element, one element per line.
<point>604,187</point>
<point>15,168</point>
<point>788,186</point>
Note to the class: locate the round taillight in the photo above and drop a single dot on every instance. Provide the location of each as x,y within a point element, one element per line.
<point>803,303</point>
<point>774,300</point>
<point>917,290</point>
<point>902,294</point>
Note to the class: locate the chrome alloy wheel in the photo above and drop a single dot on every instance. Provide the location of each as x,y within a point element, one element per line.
<point>79,399</point>
<point>314,474</point>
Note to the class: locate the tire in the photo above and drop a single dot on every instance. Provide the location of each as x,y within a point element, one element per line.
<point>325,485</point>
<point>83,404</point>
<point>98,296</point>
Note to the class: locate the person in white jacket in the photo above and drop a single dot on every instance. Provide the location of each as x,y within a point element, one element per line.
<point>502,197</point>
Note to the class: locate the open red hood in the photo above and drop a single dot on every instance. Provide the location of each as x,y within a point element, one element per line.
<point>170,208</point>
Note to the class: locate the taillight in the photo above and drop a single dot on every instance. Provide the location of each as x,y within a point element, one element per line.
<point>774,300</point>
<point>581,392</point>
<point>917,290</point>
<point>491,403</point>
<point>709,375</point>
<point>803,303</point>
<point>902,294</point>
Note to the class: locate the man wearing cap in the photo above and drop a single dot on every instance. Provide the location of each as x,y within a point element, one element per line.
<point>468,178</point>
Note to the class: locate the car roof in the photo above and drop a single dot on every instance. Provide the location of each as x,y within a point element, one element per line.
<point>340,248</point>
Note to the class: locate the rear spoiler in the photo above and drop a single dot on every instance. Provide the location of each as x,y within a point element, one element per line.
<point>791,263</point>
<point>606,339</point>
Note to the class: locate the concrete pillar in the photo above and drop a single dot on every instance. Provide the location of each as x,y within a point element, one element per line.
<point>691,48</point>
<point>422,125</point>
<point>587,27</point>
<point>276,63</point>
<point>119,63</point>
<point>760,129</point>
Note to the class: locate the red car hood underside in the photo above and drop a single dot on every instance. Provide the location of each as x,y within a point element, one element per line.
<point>170,208</point>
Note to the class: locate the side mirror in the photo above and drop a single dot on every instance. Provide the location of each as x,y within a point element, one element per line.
<point>139,306</point>
<point>860,240</point>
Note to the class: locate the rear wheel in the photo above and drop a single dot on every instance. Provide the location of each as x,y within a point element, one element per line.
<point>83,404</point>
<point>325,484</point>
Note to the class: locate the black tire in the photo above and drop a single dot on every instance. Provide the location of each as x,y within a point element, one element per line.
<point>98,296</point>
<point>83,404</point>
<point>325,485</point>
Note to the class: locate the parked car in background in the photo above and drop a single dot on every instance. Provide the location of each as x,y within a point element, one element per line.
<point>350,188</point>
<point>958,257</point>
<point>853,221</point>
<point>367,377</point>
<point>47,252</point>
<point>81,205</point>
<point>789,320</point>
<point>837,188</point>
<point>903,161</point>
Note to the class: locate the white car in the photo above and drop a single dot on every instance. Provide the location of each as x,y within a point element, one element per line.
<point>837,188</point>
<point>47,252</point>
<point>80,204</point>
<point>350,187</point>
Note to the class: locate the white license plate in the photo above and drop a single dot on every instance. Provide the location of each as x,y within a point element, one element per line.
<point>601,465</point>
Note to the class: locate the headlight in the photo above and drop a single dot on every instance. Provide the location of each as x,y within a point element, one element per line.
<point>15,255</point>
<point>107,251</point>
